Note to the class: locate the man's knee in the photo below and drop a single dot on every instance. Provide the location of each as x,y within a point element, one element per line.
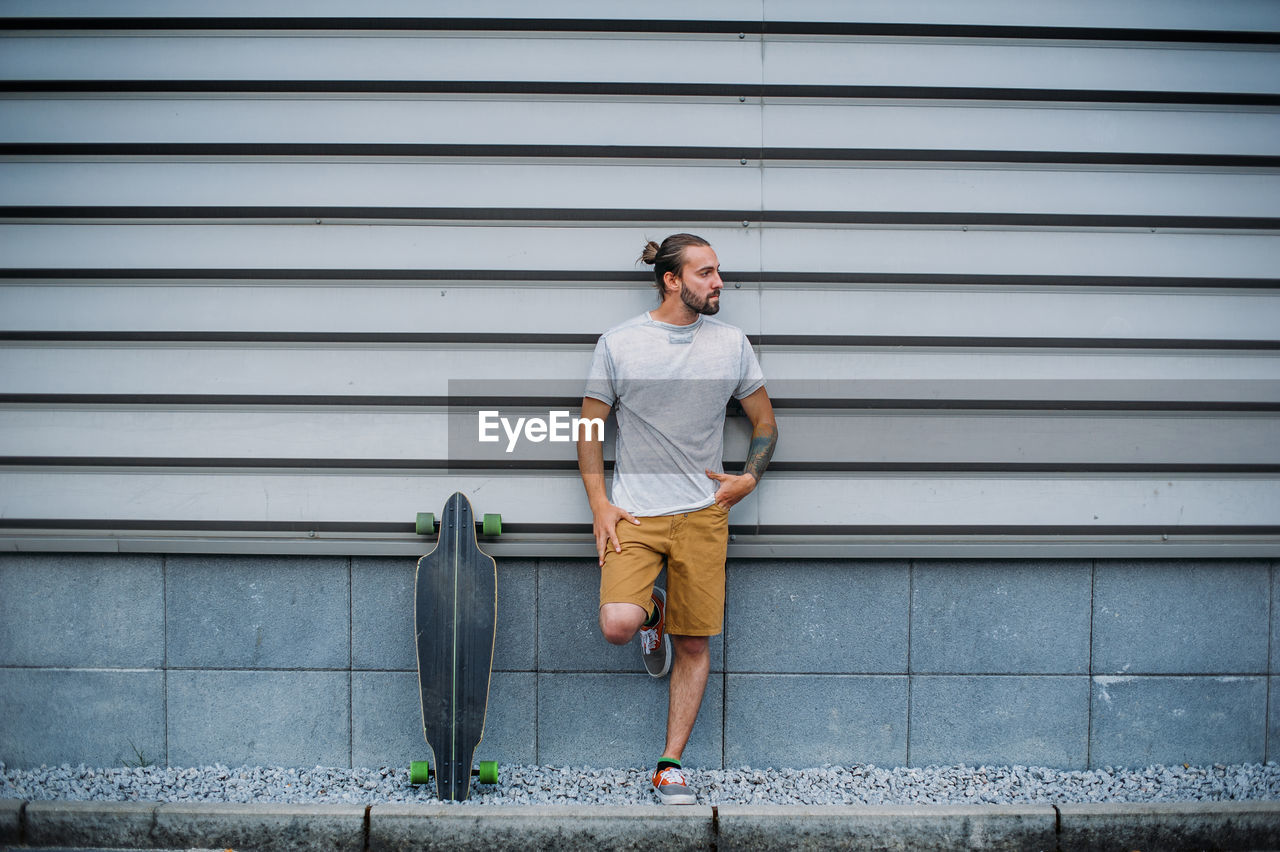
<point>619,622</point>
<point>692,646</point>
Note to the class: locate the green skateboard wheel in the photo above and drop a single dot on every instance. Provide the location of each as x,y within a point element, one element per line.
<point>492,525</point>
<point>426,523</point>
<point>488,772</point>
<point>419,772</point>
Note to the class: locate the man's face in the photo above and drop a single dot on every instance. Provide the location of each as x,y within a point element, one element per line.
<point>699,280</point>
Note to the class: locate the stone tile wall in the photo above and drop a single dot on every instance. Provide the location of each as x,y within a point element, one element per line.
<point>112,659</point>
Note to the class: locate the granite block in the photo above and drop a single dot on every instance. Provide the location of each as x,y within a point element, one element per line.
<point>918,828</point>
<point>260,826</point>
<point>545,828</point>
<point>294,718</point>
<point>94,717</point>
<point>1000,721</point>
<point>266,827</point>
<point>1273,722</point>
<point>975,617</point>
<point>1181,617</point>
<point>569,638</point>
<point>619,720</point>
<point>62,824</point>
<point>1275,618</point>
<point>843,617</point>
<point>11,817</point>
<point>386,713</point>
<point>87,611</point>
<point>1139,721</point>
<point>382,615</point>
<point>259,613</point>
<point>802,721</point>
<point>1169,825</point>
<point>382,633</point>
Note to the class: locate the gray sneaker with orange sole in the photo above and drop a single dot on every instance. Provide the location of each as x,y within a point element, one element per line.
<point>672,788</point>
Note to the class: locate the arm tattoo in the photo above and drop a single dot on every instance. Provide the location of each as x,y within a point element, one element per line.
<point>763,440</point>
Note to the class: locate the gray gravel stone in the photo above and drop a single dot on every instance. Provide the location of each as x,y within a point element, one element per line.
<point>562,785</point>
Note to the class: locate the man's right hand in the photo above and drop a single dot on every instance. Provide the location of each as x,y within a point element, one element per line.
<point>605,522</point>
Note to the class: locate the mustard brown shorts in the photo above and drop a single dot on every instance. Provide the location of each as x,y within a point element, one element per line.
<point>692,544</point>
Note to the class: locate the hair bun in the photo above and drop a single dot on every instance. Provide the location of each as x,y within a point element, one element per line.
<point>650,253</point>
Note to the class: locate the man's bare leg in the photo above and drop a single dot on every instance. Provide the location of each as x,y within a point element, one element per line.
<point>619,622</point>
<point>688,682</point>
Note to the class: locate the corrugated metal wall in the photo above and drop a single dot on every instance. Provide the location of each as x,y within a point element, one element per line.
<point>1013,270</point>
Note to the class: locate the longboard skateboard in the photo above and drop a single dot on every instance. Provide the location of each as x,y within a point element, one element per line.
<point>455,616</point>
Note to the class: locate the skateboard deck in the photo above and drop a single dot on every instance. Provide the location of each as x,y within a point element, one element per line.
<point>455,615</point>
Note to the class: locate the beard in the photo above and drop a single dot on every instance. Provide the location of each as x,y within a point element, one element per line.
<point>708,306</point>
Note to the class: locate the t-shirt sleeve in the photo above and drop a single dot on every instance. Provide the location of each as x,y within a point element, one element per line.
<point>750,377</point>
<point>600,376</point>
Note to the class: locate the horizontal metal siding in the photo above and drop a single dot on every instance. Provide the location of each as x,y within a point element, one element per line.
<point>933,255</point>
<point>409,438</point>
<point>433,370</point>
<point>714,129</point>
<point>595,63</point>
<point>375,310</point>
<point>1012,278</point>
<point>1185,16</point>
<point>812,504</point>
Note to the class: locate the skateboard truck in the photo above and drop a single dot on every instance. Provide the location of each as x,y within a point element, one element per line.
<point>420,772</point>
<point>425,524</point>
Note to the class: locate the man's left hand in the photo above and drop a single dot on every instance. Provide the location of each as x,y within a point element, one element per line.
<point>732,487</point>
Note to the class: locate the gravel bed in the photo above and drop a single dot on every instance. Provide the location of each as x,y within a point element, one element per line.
<point>542,785</point>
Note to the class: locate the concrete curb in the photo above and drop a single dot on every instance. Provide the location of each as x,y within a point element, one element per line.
<point>759,827</point>
<point>1208,825</point>
<point>122,824</point>
<point>400,828</point>
<point>11,820</point>
<point>340,828</point>
<point>153,825</point>
<point>272,827</point>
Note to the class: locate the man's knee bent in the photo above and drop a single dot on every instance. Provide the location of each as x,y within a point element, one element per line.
<point>619,622</point>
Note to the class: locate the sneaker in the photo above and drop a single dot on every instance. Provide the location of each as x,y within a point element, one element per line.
<point>671,787</point>
<point>655,645</point>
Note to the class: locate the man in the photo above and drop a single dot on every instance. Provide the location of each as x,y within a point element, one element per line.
<point>670,373</point>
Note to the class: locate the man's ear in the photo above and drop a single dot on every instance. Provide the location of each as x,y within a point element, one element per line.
<point>670,283</point>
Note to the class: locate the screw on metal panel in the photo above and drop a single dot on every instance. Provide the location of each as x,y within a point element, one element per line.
<point>746,224</point>
<point>742,35</point>
<point>742,99</point>
<point>744,161</point>
<point>737,285</point>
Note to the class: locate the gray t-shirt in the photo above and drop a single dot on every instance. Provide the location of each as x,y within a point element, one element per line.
<point>671,384</point>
